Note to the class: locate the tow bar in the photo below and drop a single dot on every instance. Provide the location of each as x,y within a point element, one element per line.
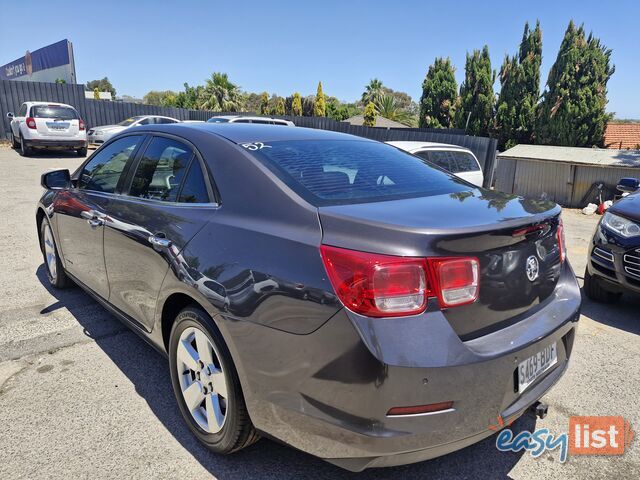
<point>539,409</point>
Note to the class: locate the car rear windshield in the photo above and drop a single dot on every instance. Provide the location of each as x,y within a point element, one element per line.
<point>455,161</point>
<point>334,172</point>
<point>53,111</point>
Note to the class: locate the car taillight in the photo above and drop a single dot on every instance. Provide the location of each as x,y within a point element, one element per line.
<point>81,124</point>
<point>456,279</point>
<point>388,286</point>
<point>562,246</point>
<point>377,285</point>
<point>31,123</point>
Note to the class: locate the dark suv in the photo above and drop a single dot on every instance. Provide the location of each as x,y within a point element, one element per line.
<point>329,291</point>
<point>613,265</point>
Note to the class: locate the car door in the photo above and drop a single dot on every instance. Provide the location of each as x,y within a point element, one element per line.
<point>18,120</point>
<point>80,212</point>
<point>169,199</point>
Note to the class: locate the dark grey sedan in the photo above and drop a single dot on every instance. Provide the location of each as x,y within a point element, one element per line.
<point>331,292</point>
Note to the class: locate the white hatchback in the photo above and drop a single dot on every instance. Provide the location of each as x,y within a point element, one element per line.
<point>40,125</point>
<point>458,160</point>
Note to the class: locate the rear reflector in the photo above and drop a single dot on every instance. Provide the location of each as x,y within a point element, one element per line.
<point>562,246</point>
<point>31,123</point>
<point>457,280</point>
<point>420,409</point>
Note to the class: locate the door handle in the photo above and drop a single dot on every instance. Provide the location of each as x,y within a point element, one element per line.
<point>93,218</point>
<point>160,242</point>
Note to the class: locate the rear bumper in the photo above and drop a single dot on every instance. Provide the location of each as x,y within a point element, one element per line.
<point>71,144</point>
<point>328,393</point>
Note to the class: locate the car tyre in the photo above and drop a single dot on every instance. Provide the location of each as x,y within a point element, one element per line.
<point>595,292</point>
<point>215,412</point>
<point>52,263</point>
<point>14,143</point>
<point>82,152</point>
<point>25,150</point>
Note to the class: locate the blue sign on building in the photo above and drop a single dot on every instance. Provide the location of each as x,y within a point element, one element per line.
<point>47,64</point>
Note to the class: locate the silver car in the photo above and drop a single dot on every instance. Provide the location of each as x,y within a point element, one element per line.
<point>99,135</point>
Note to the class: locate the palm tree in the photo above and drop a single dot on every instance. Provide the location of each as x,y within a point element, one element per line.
<point>372,91</point>
<point>221,94</point>
<point>388,108</point>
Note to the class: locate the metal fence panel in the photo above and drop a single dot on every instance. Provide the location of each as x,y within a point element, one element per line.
<point>549,179</point>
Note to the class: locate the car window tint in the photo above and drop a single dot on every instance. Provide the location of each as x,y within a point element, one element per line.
<point>441,162</point>
<point>102,172</point>
<point>333,172</point>
<point>160,171</point>
<point>458,161</point>
<point>23,111</point>
<point>194,189</point>
<point>164,120</point>
<point>145,121</point>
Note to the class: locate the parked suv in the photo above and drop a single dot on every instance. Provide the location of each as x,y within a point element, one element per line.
<point>613,265</point>
<point>458,160</point>
<point>326,290</point>
<point>99,135</point>
<point>47,125</point>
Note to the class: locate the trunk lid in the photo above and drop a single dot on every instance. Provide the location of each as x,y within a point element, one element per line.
<point>514,238</point>
<point>56,127</point>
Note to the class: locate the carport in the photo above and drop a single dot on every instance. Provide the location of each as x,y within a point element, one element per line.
<point>563,174</point>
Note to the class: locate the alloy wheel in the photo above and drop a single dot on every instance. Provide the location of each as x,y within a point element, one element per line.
<point>50,253</point>
<point>202,379</point>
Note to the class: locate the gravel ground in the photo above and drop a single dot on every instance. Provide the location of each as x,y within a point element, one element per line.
<point>81,396</point>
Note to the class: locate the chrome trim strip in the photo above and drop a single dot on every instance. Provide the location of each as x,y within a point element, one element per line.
<point>635,272</point>
<point>604,254</point>
<point>422,414</point>
<point>635,261</point>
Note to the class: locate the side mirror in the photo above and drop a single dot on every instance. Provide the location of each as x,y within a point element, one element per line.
<point>10,115</point>
<point>628,185</point>
<point>56,180</point>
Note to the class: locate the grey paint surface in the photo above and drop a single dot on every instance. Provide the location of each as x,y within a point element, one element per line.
<point>132,428</point>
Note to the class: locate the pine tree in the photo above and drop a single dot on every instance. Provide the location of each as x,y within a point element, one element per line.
<point>520,90</point>
<point>296,105</point>
<point>264,103</point>
<point>573,108</point>
<point>476,95</point>
<point>370,114</point>
<point>439,93</point>
<point>320,105</point>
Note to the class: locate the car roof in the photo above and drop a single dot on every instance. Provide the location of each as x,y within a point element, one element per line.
<point>33,104</point>
<point>413,145</point>
<point>249,132</point>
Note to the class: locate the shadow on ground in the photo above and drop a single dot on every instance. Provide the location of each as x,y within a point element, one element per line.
<point>147,370</point>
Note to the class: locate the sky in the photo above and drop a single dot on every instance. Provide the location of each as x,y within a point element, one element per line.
<point>286,46</point>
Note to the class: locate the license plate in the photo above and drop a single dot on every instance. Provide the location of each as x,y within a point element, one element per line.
<point>57,125</point>
<point>534,366</point>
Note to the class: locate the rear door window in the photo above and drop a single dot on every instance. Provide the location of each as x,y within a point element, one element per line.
<point>332,172</point>
<point>103,172</point>
<point>54,111</point>
<point>23,110</point>
<point>161,169</point>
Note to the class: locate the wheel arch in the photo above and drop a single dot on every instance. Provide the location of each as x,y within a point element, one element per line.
<point>171,306</point>
<point>40,215</point>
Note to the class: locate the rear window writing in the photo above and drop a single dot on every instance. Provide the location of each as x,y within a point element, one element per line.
<point>53,111</point>
<point>333,172</point>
